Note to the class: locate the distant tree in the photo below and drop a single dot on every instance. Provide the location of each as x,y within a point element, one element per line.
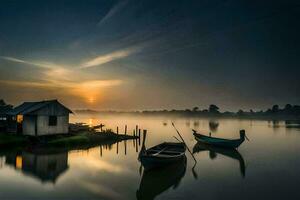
<point>269,111</point>
<point>187,110</point>
<point>275,109</point>
<point>288,107</point>
<point>213,108</point>
<point>251,111</point>
<point>196,109</point>
<point>240,112</point>
<point>2,102</point>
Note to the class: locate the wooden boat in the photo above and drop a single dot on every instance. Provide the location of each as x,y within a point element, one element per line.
<point>228,152</point>
<point>163,154</point>
<point>156,182</point>
<point>227,143</point>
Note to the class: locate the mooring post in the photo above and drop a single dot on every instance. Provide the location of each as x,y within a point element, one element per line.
<point>139,137</point>
<point>133,136</point>
<point>136,145</point>
<point>100,150</point>
<point>125,145</point>
<point>117,130</point>
<point>136,129</point>
<point>125,129</point>
<point>143,148</point>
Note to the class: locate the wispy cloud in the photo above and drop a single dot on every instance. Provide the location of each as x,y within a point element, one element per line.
<point>102,59</point>
<point>42,64</point>
<point>92,84</point>
<point>115,9</point>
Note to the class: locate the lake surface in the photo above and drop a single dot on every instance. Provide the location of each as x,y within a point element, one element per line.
<point>267,167</point>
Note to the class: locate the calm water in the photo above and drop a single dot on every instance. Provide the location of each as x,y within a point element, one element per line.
<point>267,167</point>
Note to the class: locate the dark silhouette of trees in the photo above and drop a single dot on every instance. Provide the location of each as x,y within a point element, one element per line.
<point>196,109</point>
<point>275,109</point>
<point>2,102</point>
<point>240,112</point>
<point>213,109</point>
<point>288,107</point>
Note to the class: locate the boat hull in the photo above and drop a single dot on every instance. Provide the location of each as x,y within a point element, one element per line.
<point>150,162</point>
<point>225,143</point>
<point>168,153</point>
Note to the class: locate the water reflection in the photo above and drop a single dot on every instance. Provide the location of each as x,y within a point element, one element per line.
<point>116,175</point>
<point>292,124</point>
<point>155,182</point>
<point>213,151</point>
<point>46,167</point>
<point>213,125</point>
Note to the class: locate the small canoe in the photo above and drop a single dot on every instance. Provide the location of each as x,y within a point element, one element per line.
<point>163,154</point>
<point>221,142</point>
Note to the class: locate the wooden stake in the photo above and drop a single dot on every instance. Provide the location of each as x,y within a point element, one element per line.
<point>184,142</point>
<point>139,137</point>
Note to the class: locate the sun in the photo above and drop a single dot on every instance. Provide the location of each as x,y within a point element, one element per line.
<point>91,99</point>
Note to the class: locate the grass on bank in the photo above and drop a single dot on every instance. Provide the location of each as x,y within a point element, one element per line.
<point>70,140</point>
<point>63,140</point>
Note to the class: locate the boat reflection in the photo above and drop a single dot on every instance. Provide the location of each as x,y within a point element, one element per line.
<point>156,181</point>
<point>292,124</point>
<point>213,151</point>
<point>46,167</point>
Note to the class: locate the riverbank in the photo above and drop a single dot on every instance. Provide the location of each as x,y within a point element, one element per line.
<point>68,141</point>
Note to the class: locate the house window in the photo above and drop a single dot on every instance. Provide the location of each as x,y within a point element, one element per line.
<point>52,120</point>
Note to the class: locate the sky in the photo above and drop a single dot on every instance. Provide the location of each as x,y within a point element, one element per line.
<point>151,54</point>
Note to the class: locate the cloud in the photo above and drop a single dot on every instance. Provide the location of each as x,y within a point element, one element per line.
<point>41,64</point>
<point>89,91</point>
<point>103,59</point>
<point>115,9</point>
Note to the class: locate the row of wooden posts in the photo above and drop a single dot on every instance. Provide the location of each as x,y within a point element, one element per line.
<point>136,131</point>
<point>136,141</point>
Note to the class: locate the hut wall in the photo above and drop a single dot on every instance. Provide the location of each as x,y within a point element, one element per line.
<point>43,128</point>
<point>29,125</point>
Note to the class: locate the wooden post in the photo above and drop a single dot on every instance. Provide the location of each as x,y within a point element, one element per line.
<point>100,150</point>
<point>139,137</point>
<point>117,147</point>
<point>133,136</point>
<point>136,145</point>
<point>143,148</point>
<point>136,129</point>
<point>117,130</point>
<point>125,129</point>
<point>144,137</point>
<point>125,147</point>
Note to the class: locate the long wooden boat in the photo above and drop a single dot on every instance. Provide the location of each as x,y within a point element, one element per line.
<point>163,154</point>
<point>227,143</point>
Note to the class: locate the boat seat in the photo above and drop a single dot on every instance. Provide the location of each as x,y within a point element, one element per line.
<point>156,152</point>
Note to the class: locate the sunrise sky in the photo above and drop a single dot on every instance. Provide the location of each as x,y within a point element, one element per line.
<point>140,54</point>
